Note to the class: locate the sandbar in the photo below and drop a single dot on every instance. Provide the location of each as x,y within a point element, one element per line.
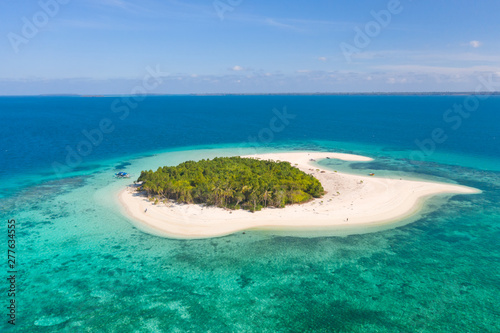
<point>352,201</point>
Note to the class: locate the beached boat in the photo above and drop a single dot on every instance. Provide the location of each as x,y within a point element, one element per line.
<point>122,175</point>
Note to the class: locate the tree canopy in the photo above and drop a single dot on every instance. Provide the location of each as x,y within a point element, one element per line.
<point>232,182</point>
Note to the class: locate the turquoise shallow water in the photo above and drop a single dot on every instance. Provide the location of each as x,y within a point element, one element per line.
<point>83,266</point>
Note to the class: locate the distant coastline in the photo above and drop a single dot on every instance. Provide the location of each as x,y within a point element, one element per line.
<point>430,93</point>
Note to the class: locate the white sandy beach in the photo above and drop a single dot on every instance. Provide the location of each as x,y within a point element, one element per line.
<point>351,201</point>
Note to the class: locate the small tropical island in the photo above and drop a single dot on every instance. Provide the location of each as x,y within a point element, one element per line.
<point>232,182</point>
<point>283,193</point>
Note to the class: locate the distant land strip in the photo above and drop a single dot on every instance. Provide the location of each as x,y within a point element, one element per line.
<point>430,93</point>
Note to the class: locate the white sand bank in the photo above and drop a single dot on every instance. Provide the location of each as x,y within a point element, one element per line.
<point>363,201</point>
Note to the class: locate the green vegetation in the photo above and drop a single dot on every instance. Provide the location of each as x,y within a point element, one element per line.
<point>232,182</point>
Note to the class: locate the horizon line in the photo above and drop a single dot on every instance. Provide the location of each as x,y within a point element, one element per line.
<point>265,94</point>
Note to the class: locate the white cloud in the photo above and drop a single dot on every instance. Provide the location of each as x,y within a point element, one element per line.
<point>277,24</point>
<point>114,3</point>
<point>322,58</point>
<point>472,70</point>
<point>394,80</point>
<point>426,56</point>
<point>475,43</point>
<point>237,68</point>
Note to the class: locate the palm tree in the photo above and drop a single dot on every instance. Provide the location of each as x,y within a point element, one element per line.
<point>280,198</point>
<point>239,197</point>
<point>253,199</point>
<point>265,196</point>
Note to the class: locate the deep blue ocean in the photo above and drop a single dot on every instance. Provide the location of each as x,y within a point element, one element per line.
<point>81,265</point>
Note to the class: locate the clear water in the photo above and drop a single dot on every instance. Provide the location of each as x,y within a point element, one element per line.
<point>83,267</point>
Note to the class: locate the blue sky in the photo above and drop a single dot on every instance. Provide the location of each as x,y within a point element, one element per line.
<point>247,46</point>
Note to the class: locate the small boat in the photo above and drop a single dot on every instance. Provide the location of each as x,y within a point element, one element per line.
<point>372,174</point>
<point>122,175</point>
